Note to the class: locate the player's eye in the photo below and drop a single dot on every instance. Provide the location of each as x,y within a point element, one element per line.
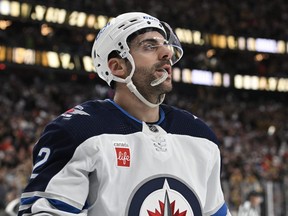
<point>148,46</point>
<point>152,44</point>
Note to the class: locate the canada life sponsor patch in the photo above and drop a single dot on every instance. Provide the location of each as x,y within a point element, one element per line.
<point>122,151</point>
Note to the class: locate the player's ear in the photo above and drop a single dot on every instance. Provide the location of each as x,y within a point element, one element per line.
<point>117,66</point>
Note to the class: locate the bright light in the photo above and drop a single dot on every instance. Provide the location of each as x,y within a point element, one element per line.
<point>4,24</point>
<point>271,130</point>
<point>266,45</point>
<point>4,7</point>
<point>46,30</point>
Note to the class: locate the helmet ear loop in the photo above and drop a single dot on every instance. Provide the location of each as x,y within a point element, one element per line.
<point>123,79</point>
<point>130,59</point>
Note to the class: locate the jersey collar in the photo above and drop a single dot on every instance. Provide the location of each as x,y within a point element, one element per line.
<point>162,114</point>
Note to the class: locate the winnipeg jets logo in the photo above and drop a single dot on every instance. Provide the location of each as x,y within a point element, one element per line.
<point>171,204</point>
<point>167,209</point>
<point>164,196</point>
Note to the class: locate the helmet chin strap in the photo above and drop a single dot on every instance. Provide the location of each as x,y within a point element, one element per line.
<point>134,90</point>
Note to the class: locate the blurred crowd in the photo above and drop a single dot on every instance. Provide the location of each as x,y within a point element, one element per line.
<point>250,126</point>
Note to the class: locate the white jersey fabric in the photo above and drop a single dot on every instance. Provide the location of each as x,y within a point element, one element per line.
<point>97,160</point>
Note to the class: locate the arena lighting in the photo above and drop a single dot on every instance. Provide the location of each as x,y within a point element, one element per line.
<point>49,14</point>
<point>74,63</point>
<point>241,43</point>
<point>260,57</point>
<point>46,30</point>
<point>42,13</point>
<point>217,79</point>
<point>187,75</point>
<point>88,64</point>
<point>232,42</point>
<point>265,45</point>
<point>5,8</point>
<point>261,83</point>
<point>189,36</point>
<point>176,74</point>
<point>202,77</point>
<point>22,56</point>
<point>226,80</point>
<point>210,53</point>
<point>56,15</point>
<point>221,41</point>
<point>4,24</point>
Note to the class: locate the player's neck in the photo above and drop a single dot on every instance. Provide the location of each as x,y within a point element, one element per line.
<point>130,103</point>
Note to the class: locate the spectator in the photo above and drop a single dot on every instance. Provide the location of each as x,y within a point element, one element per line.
<point>251,207</point>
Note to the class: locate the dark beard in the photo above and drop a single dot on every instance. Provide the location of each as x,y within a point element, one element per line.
<point>151,93</point>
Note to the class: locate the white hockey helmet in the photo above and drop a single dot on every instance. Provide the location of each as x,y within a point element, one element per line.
<point>113,37</point>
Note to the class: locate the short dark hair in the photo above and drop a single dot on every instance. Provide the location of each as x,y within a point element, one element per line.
<point>254,194</point>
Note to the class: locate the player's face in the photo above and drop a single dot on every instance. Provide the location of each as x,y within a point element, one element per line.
<point>151,55</point>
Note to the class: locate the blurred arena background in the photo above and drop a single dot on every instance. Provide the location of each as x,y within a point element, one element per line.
<point>234,75</point>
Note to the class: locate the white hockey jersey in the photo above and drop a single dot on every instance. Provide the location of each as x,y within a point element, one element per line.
<point>97,160</point>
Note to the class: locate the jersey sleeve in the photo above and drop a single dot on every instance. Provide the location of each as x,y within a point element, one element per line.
<point>215,204</point>
<point>51,190</point>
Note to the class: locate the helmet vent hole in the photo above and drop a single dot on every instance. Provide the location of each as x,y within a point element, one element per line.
<point>149,22</point>
<point>107,73</point>
<point>120,45</point>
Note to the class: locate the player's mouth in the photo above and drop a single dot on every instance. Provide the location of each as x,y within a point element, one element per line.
<point>163,74</point>
<point>163,69</point>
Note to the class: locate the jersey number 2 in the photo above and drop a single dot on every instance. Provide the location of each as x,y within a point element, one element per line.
<point>44,153</point>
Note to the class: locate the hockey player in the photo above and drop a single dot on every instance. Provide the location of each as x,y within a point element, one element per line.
<point>133,155</point>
